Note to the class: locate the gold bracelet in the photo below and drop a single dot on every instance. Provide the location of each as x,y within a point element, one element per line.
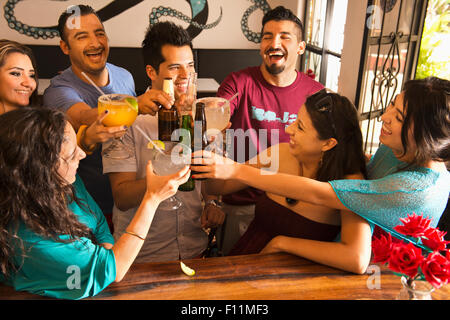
<point>134,234</point>
<point>80,140</point>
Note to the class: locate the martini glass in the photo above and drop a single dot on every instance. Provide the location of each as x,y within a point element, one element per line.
<point>172,159</point>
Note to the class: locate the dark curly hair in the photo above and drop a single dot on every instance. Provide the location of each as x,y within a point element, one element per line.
<point>32,192</point>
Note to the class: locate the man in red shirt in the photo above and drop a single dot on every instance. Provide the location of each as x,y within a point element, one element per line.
<point>270,96</point>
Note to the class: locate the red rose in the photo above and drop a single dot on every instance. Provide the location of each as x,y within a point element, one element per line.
<point>436,269</point>
<point>414,226</point>
<point>406,259</point>
<point>382,248</point>
<point>434,239</point>
<point>310,74</point>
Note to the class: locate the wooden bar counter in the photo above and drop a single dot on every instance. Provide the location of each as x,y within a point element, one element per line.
<point>251,277</point>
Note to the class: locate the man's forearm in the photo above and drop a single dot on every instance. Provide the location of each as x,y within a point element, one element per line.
<point>129,194</point>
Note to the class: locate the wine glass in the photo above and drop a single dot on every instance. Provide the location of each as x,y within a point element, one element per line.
<point>217,111</point>
<point>172,159</point>
<point>122,110</point>
<point>190,94</point>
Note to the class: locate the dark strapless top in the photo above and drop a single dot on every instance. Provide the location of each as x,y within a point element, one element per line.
<point>272,219</point>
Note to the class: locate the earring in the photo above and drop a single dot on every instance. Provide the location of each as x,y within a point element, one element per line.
<point>321,160</point>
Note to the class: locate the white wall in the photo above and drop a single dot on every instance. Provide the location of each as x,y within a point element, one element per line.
<point>128,28</point>
<point>351,52</point>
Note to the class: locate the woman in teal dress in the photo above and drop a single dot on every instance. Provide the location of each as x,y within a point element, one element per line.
<point>407,173</point>
<point>54,239</point>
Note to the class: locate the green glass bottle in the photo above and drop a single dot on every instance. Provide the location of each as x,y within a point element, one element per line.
<point>186,139</point>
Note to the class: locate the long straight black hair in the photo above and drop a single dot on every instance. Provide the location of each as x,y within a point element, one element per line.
<point>427,105</point>
<point>338,119</point>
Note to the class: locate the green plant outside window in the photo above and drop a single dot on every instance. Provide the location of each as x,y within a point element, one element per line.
<point>434,55</point>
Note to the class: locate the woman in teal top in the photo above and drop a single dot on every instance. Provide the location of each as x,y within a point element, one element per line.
<point>407,173</point>
<point>54,239</point>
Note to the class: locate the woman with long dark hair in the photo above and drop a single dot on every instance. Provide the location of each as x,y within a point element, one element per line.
<point>406,175</point>
<point>54,240</point>
<point>325,144</point>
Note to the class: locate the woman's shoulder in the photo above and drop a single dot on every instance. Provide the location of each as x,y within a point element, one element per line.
<point>354,176</point>
<point>280,157</point>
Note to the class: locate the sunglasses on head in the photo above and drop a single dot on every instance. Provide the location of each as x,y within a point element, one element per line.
<point>324,104</point>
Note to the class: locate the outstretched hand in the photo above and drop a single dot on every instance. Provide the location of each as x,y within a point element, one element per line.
<point>163,187</point>
<point>98,133</point>
<point>212,165</point>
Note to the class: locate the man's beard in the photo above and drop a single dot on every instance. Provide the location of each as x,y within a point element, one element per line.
<point>274,69</point>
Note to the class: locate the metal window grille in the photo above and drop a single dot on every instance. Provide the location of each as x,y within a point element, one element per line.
<point>389,56</point>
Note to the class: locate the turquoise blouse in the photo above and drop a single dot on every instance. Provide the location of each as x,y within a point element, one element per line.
<point>73,270</point>
<point>389,194</point>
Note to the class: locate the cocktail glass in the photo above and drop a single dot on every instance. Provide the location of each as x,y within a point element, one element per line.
<point>122,111</point>
<point>174,157</point>
<point>217,111</point>
<point>190,93</point>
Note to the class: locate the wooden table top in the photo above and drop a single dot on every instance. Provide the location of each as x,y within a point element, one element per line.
<point>251,277</point>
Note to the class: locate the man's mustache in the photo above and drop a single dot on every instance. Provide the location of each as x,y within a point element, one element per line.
<point>269,51</point>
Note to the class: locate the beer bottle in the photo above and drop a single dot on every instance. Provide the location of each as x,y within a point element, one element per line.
<point>186,139</point>
<point>167,118</point>
<point>200,138</point>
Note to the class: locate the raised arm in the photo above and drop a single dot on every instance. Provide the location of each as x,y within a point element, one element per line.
<point>158,188</point>
<point>291,186</point>
<point>221,187</point>
<point>81,114</point>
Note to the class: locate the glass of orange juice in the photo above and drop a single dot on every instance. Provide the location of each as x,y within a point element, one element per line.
<point>122,111</point>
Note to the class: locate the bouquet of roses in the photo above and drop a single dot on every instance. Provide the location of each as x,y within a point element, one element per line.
<point>429,260</point>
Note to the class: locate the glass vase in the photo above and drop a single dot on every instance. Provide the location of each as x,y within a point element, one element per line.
<point>415,290</point>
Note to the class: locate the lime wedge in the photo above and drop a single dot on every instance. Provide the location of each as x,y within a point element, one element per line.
<point>132,103</point>
<point>188,271</point>
<point>159,143</point>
